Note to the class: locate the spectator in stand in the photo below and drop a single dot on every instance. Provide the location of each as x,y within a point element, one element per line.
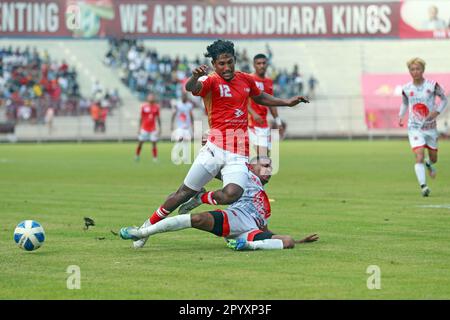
<point>95,115</point>
<point>102,120</point>
<point>97,89</point>
<point>28,76</point>
<point>115,99</point>
<point>49,115</point>
<point>312,83</point>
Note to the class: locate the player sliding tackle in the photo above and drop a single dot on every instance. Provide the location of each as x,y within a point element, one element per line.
<point>225,94</point>
<point>244,224</point>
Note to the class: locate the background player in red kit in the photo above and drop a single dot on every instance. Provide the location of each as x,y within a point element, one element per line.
<point>225,95</point>
<point>147,126</point>
<point>259,129</point>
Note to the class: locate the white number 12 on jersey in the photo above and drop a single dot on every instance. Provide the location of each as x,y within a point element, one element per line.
<point>224,90</point>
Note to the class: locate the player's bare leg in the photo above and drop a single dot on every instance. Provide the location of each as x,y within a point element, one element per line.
<point>138,150</point>
<point>419,168</point>
<point>154,151</point>
<point>172,202</point>
<point>229,194</point>
<point>429,163</point>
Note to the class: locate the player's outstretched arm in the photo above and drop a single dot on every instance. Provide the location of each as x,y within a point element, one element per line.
<point>193,85</point>
<point>310,238</point>
<point>271,101</point>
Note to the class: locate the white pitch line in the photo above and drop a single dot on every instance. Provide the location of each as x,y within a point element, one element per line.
<point>436,206</point>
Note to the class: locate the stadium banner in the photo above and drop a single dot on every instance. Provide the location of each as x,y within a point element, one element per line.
<point>198,19</point>
<point>382,95</point>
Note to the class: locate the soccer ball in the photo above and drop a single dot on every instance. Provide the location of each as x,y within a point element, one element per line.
<point>29,235</point>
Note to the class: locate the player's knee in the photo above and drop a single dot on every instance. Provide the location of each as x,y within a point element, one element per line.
<point>202,221</point>
<point>197,220</point>
<point>419,158</point>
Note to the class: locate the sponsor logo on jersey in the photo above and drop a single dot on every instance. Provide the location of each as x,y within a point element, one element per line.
<point>420,110</point>
<point>238,113</point>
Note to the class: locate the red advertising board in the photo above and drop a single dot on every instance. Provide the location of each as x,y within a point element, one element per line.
<point>197,19</point>
<point>382,95</point>
<point>224,19</point>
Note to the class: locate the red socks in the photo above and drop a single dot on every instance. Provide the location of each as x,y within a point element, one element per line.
<point>158,215</point>
<point>138,150</point>
<point>207,197</point>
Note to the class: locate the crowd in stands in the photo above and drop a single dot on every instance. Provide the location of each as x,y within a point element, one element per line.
<point>34,87</point>
<point>31,82</point>
<point>144,70</point>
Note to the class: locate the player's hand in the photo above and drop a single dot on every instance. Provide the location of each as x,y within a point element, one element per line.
<point>296,100</point>
<point>400,122</point>
<point>311,238</point>
<point>200,71</point>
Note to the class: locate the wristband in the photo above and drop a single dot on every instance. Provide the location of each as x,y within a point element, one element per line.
<point>278,121</point>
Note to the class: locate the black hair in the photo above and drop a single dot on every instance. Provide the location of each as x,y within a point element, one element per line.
<point>259,56</point>
<point>219,47</point>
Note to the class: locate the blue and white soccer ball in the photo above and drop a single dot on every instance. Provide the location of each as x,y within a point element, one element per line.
<point>29,235</point>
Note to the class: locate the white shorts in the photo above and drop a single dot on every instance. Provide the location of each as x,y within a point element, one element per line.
<point>423,139</point>
<point>210,161</point>
<point>148,135</point>
<point>259,137</point>
<point>237,225</point>
<point>181,135</point>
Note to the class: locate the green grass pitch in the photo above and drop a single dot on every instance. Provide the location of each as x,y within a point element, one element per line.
<point>361,197</point>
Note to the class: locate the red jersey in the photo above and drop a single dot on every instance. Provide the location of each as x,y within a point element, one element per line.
<point>266,85</point>
<point>149,112</point>
<point>226,104</point>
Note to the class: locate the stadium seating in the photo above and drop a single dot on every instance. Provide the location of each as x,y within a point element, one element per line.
<point>338,65</point>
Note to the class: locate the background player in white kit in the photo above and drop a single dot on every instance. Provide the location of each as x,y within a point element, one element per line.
<point>183,118</point>
<point>243,224</point>
<point>419,98</point>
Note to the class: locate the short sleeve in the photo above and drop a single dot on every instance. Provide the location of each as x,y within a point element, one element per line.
<point>254,90</point>
<point>206,86</point>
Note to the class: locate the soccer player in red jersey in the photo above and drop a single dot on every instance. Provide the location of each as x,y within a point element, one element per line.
<point>147,126</point>
<point>259,129</point>
<point>225,94</point>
